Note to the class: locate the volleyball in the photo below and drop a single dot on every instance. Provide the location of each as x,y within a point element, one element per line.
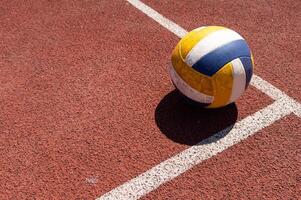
<point>212,66</point>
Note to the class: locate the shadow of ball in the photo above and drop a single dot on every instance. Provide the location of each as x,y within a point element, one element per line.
<point>190,124</point>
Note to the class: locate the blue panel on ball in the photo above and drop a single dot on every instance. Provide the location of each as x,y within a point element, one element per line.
<point>247,63</point>
<point>215,60</point>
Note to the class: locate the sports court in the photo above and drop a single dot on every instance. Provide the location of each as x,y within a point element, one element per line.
<point>88,110</point>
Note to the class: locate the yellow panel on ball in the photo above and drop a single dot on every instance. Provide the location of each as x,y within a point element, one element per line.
<point>212,65</point>
<point>193,37</point>
<point>222,84</point>
<point>196,80</point>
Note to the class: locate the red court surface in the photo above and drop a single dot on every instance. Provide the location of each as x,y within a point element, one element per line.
<point>271,27</point>
<point>265,166</point>
<point>87,104</point>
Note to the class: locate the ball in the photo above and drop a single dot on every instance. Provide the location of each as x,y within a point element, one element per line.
<point>212,66</point>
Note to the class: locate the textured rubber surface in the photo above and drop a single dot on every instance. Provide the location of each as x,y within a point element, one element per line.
<point>85,99</point>
<point>265,166</point>
<point>270,28</point>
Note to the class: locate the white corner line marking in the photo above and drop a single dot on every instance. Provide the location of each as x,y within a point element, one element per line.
<point>185,160</point>
<point>275,93</point>
<point>256,81</point>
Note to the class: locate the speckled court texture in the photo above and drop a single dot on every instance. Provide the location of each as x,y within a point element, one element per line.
<point>87,109</point>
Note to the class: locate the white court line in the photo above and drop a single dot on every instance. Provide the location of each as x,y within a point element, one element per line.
<point>163,21</point>
<point>178,164</point>
<point>256,81</point>
<point>275,93</point>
